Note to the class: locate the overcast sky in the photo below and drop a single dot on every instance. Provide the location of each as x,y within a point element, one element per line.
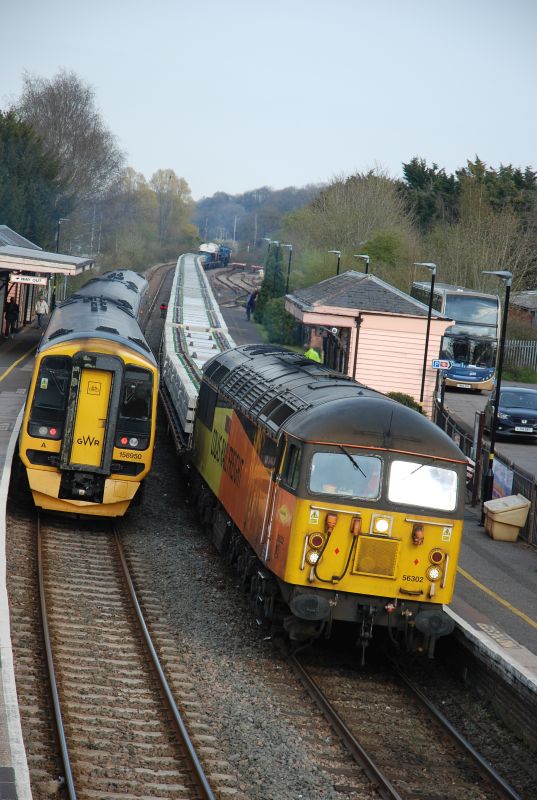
<point>237,94</point>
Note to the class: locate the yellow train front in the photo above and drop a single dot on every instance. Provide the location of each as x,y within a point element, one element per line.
<point>89,425</point>
<point>328,496</point>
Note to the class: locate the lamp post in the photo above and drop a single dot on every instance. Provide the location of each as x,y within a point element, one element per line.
<point>366,259</point>
<point>507,278</point>
<point>290,248</point>
<point>61,219</point>
<point>432,267</point>
<point>338,254</point>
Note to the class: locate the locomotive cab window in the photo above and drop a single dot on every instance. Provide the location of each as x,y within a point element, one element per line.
<point>291,468</point>
<point>345,474</point>
<point>47,415</point>
<point>425,485</point>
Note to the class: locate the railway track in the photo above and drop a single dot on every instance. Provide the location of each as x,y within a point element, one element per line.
<point>231,285</point>
<point>118,737</point>
<point>405,746</point>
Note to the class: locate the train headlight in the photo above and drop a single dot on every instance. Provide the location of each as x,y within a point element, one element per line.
<point>433,573</point>
<point>436,556</point>
<point>42,430</point>
<point>381,525</point>
<point>133,441</point>
<point>313,557</point>
<point>124,441</point>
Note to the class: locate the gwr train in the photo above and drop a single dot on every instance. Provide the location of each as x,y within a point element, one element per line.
<point>332,501</point>
<point>89,424</point>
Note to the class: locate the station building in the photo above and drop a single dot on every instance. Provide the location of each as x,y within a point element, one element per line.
<point>371,331</point>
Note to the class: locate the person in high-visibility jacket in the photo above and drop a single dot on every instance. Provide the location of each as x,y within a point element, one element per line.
<point>312,353</point>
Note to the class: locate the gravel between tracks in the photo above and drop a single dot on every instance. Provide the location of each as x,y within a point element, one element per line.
<point>233,670</point>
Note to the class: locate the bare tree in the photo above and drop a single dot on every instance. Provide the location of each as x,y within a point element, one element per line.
<point>62,111</point>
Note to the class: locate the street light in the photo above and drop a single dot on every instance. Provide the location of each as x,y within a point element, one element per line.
<point>432,267</point>
<point>338,254</point>
<point>507,278</point>
<point>366,259</point>
<point>290,247</point>
<point>61,219</point>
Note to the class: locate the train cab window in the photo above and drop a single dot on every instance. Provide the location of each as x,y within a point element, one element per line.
<point>291,468</point>
<point>52,385</point>
<point>346,474</point>
<point>136,397</point>
<point>424,485</point>
<point>47,415</point>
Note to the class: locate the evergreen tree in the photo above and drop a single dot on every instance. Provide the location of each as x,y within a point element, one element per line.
<point>30,187</point>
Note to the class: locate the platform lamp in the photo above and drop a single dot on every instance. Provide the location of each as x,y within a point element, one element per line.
<point>507,278</point>
<point>338,254</point>
<point>290,248</point>
<point>364,258</point>
<point>432,267</point>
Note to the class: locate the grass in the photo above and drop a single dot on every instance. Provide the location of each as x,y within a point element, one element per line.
<point>520,374</point>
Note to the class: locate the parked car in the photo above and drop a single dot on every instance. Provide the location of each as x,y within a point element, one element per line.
<point>517,412</point>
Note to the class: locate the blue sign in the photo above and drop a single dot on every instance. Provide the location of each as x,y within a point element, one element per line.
<point>441,364</point>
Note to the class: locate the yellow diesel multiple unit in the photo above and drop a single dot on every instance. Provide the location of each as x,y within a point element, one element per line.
<point>327,495</point>
<point>89,425</point>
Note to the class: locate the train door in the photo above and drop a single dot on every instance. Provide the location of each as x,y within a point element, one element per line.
<point>92,411</point>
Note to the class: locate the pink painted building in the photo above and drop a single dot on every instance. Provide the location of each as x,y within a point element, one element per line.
<point>372,331</point>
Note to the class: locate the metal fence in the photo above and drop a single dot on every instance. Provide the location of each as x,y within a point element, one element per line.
<point>520,353</point>
<point>523,482</point>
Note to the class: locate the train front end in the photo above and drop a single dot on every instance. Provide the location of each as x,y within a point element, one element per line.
<point>89,426</point>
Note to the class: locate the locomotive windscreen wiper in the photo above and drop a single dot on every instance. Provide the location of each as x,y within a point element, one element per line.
<point>351,459</point>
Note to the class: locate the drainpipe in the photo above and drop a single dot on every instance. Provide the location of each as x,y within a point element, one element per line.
<point>358,323</point>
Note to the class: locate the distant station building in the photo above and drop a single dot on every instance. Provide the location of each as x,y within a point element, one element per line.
<point>27,271</point>
<point>523,307</point>
<point>371,331</point>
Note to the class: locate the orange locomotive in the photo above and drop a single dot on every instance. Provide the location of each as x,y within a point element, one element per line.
<point>333,501</point>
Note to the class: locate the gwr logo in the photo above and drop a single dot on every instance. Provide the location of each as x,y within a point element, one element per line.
<point>88,440</point>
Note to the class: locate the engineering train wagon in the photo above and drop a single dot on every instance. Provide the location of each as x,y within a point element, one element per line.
<point>89,425</point>
<point>328,496</point>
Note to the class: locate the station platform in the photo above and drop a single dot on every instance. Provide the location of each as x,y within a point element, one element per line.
<point>495,603</point>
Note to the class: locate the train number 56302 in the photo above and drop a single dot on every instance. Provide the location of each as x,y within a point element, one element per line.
<point>415,578</point>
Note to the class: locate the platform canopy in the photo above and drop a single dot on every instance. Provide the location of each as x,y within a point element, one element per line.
<point>19,255</point>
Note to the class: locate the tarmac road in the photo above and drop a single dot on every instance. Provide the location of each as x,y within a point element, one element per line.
<point>463,405</point>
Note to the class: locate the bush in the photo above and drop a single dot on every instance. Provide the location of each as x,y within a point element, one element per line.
<point>404,399</point>
<point>520,374</point>
<point>281,327</point>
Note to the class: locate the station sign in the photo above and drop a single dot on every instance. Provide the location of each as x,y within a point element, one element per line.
<point>33,280</point>
<point>441,364</point>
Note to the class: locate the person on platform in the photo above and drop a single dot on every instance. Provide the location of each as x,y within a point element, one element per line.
<point>163,309</point>
<point>311,352</point>
<point>41,309</point>
<point>250,305</point>
<point>12,317</point>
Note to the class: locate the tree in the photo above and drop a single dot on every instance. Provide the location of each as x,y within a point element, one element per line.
<point>62,111</point>
<point>432,196</point>
<point>31,190</point>
<point>174,203</point>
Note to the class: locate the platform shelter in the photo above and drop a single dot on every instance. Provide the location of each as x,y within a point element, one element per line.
<point>27,271</point>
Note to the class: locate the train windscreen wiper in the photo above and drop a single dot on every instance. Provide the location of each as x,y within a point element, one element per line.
<point>351,459</point>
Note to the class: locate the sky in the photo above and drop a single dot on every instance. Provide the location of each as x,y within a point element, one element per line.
<point>237,94</point>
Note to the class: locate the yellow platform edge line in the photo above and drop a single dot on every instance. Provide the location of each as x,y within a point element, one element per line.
<point>497,597</point>
<point>18,361</point>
